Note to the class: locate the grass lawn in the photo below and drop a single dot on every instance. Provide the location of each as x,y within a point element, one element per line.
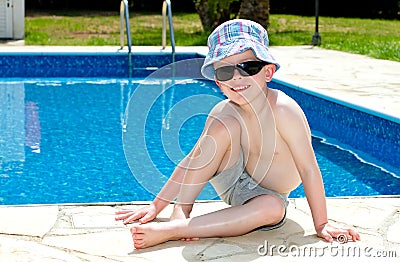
<point>372,37</point>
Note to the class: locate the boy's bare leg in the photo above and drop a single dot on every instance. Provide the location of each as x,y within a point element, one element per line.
<point>232,221</point>
<point>220,147</point>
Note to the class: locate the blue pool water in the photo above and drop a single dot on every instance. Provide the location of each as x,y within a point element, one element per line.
<point>61,141</point>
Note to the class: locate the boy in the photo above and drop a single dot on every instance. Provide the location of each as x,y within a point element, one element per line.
<point>255,148</point>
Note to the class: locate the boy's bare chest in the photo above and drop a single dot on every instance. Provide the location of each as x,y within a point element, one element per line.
<point>267,156</point>
<point>259,138</point>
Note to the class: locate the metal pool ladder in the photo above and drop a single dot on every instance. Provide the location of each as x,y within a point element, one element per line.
<point>124,17</point>
<point>167,4</point>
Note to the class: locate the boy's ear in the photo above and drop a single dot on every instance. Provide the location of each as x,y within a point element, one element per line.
<point>269,71</point>
<point>218,83</point>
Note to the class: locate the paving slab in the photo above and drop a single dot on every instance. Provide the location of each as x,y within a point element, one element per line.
<point>27,220</point>
<point>99,237</point>
<point>370,83</point>
<point>393,234</point>
<point>23,250</point>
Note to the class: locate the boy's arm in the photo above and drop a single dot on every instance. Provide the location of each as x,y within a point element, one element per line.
<point>203,159</point>
<point>295,130</point>
<point>166,195</point>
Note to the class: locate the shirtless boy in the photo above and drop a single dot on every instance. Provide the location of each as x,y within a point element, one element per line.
<point>255,149</point>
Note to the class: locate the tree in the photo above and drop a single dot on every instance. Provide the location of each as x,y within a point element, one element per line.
<point>256,10</point>
<point>214,12</point>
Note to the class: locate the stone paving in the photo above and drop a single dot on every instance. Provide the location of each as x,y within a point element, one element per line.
<point>356,79</point>
<point>88,232</point>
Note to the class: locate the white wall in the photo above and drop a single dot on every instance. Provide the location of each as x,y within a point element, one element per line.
<point>6,19</point>
<point>18,19</point>
<point>12,19</point>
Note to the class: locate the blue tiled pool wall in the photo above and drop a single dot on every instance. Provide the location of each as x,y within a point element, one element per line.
<point>378,137</point>
<point>362,131</point>
<point>83,65</point>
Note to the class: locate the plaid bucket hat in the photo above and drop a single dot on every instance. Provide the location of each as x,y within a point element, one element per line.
<point>234,37</point>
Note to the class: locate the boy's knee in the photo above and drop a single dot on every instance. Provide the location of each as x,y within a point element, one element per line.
<point>273,209</point>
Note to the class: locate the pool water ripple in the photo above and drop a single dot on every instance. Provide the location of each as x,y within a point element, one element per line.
<point>61,142</point>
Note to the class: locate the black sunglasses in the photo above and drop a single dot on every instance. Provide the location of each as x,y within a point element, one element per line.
<point>248,68</point>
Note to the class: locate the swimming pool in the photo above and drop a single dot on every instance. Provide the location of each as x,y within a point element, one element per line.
<point>61,137</point>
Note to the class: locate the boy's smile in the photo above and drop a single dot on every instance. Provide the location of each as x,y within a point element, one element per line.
<point>241,77</point>
<point>240,88</point>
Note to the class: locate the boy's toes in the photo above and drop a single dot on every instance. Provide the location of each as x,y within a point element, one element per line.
<point>137,237</point>
<point>136,229</point>
<point>138,244</point>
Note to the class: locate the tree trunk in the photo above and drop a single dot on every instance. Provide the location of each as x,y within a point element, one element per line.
<point>214,12</point>
<point>204,13</point>
<point>255,10</point>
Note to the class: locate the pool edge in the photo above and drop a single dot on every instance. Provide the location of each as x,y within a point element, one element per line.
<point>333,99</point>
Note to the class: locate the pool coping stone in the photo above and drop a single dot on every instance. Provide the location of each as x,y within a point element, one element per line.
<point>98,237</point>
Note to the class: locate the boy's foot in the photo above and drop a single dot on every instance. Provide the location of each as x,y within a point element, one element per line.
<point>147,235</point>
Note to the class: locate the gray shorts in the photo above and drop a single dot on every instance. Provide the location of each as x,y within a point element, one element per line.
<point>235,187</point>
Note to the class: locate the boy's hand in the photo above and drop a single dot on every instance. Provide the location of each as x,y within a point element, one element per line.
<point>144,214</point>
<point>328,232</point>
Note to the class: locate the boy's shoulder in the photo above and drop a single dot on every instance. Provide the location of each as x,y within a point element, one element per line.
<point>285,108</point>
<point>224,107</point>
<point>221,116</point>
<point>282,103</point>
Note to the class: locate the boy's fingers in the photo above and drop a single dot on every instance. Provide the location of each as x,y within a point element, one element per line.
<point>123,211</point>
<point>119,212</point>
<point>129,215</point>
<point>328,237</point>
<point>133,217</point>
<point>146,218</point>
<point>347,235</point>
<point>123,214</point>
<point>122,217</point>
<point>354,235</point>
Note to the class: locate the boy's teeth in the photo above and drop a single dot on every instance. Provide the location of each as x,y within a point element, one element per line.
<point>239,88</point>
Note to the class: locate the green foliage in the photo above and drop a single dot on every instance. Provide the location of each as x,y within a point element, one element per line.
<point>372,37</point>
<point>215,7</point>
<point>214,12</point>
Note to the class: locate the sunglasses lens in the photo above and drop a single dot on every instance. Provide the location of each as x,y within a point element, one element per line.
<point>224,73</point>
<point>248,68</point>
<point>251,67</point>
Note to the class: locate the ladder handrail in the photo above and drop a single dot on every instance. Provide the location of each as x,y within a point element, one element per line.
<point>167,5</point>
<point>124,15</point>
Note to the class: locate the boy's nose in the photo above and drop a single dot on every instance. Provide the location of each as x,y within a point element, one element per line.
<point>236,73</point>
